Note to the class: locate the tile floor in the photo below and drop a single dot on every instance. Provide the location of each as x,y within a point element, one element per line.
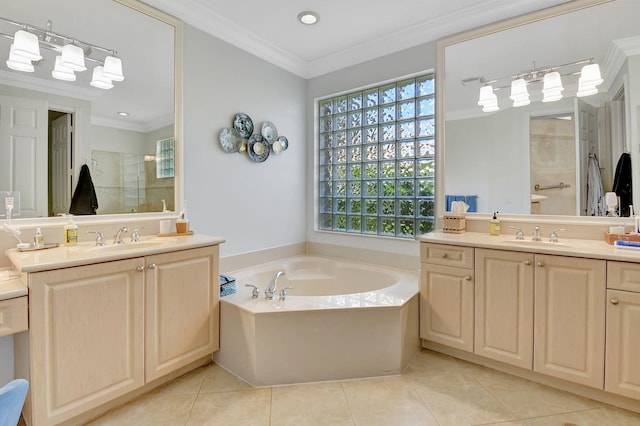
<point>434,390</point>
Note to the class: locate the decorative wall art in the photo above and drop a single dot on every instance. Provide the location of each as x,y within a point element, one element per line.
<point>240,138</point>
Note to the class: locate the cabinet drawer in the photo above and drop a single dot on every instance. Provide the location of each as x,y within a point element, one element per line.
<point>442,254</point>
<point>13,315</point>
<point>623,276</point>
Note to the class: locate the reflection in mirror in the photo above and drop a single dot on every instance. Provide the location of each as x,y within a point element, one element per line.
<point>49,128</point>
<point>533,159</point>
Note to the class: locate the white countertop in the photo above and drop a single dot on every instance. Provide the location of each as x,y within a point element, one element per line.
<point>592,249</point>
<point>87,253</point>
<point>11,285</point>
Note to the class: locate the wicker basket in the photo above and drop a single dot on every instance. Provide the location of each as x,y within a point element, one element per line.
<point>454,223</point>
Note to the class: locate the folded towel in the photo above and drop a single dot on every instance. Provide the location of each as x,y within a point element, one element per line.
<point>227,285</point>
<point>471,201</point>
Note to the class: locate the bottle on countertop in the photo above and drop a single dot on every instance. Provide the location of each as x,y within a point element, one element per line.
<point>71,232</point>
<point>494,225</point>
<point>38,239</point>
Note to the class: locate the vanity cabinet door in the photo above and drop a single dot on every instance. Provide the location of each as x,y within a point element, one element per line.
<point>86,337</point>
<point>504,306</point>
<point>623,345</point>
<point>569,329</point>
<point>182,309</point>
<point>446,305</point>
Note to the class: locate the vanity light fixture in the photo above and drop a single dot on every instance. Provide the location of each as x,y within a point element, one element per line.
<point>308,17</point>
<point>71,54</point>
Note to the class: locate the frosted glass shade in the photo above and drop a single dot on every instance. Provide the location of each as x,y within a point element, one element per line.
<point>99,80</point>
<point>590,75</point>
<point>585,89</point>
<point>62,73</point>
<point>491,104</point>
<point>113,68</point>
<point>519,93</point>
<point>72,58</point>
<point>552,87</point>
<point>486,95</point>
<point>26,44</point>
<point>19,63</point>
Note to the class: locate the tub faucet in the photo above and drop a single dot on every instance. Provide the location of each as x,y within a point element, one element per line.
<point>271,288</point>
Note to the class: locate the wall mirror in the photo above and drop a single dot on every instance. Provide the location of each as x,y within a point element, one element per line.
<point>534,159</point>
<point>50,128</point>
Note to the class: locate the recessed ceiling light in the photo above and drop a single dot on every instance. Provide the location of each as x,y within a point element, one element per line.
<point>123,114</point>
<point>308,17</point>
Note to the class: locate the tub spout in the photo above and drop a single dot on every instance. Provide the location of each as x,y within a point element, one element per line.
<point>271,288</point>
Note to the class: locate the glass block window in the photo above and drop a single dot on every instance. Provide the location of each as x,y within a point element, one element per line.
<point>165,156</point>
<point>377,160</point>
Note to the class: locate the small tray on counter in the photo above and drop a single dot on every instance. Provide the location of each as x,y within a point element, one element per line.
<point>176,234</point>
<point>44,247</point>
<point>610,238</point>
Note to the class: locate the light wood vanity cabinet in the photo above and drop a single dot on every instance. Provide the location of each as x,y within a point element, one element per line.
<point>103,330</point>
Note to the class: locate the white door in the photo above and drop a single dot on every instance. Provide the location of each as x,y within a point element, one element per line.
<point>61,171</point>
<point>23,152</point>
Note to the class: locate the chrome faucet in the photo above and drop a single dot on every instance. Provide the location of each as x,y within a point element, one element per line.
<point>100,239</point>
<point>135,235</point>
<point>283,292</point>
<point>553,238</point>
<point>519,233</point>
<point>271,288</point>
<point>118,237</point>
<point>536,234</point>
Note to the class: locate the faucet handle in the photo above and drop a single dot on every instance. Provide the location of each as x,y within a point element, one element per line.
<point>283,292</point>
<point>553,238</point>
<point>519,233</point>
<point>536,234</point>
<point>100,239</point>
<point>255,292</point>
<point>135,235</point>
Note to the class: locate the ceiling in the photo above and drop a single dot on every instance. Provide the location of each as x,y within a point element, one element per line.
<point>348,32</point>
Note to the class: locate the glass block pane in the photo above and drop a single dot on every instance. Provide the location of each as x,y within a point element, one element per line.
<point>355,137</point>
<point>426,167</point>
<point>372,171</point>
<point>371,116</point>
<point>341,155</point>
<point>426,208</point>
<point>388,226</point>
<point>406,89</point>
<point>326,205</point>
<point>371,189</point>
<point>340,104</point>
<point>388,132</point>
<point>426,188</point>
<point>406,110</point>
<point>406,168</point>
<point>355,189</point>
<point>406,188</point>
<point>355,101</point>
<point>425,85</point>
<point>426,147</point>
<point>426,106</point>
<point>325,172</point>
<point>371,134</point>
<point>387,113</point>
<point>340,205</point>
<point>371,97</point>
<point>355,119</point>
<point>340,138</point>
<point>326,189</point>
<point>406,228</point>
<point>371,225</point>
<point>340,122</point>
<point>388,151</point>
<point>340,172</point>
<point>372,152</point>
<point>355,206</point>
<point>325,221</point>
<point>326,140</point>
<point>355,154</point>
<point>372,206</point>
<point>388,169</point>
<point>426,127</point>
<point>406,207</point>
<point>388,188</point>
<point>339,189</point>
<point>325,124</point>
<point>355,224</point>
<point>339,222</point>
<point>407,130</point>
<point>388,207</point>
<point>425,226</point>
<point>355,171</point>
<point>326,156</point>
<point>387,94</point>
<point>326,107</point>
<point>407,149</point>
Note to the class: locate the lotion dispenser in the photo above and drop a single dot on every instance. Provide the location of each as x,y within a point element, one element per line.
<point>494,225</point>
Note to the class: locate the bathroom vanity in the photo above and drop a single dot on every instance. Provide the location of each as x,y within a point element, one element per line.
<point>567,310</point>
<point>108,323</point>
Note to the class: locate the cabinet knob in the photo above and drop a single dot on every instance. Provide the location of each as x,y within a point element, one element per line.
<point>443,255</point>
<point>541,264</point>
<point>152,266</point>
<point>527,262</point>
<point>468,278</point>
<point>614,301</point>
<point>140,268</point>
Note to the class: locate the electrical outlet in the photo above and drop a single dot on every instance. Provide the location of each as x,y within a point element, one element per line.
<point>8,203</point>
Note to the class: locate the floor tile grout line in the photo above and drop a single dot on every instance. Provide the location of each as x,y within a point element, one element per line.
<point>426,405</point>
<point>514,415</point>
<point>349,406</point>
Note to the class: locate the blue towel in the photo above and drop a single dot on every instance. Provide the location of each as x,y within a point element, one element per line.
<point>471,201</point>
<point>12,396</point>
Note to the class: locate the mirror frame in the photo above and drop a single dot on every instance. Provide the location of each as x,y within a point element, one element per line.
<point>485,30</point>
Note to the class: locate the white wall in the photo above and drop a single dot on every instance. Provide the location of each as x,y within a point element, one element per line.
<point>253,206</point>
<point>391,67</point>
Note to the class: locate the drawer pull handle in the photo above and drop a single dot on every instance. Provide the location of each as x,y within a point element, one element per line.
<point>614,301</point>
<point>527,262</point>
<point>140,268</point>
<point>152,266</point>
<point>468,278</point>
<point>541,264</point>
<point>444,255</point>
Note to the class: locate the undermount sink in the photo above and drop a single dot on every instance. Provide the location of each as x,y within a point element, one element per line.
<point>543,243</point>
<point>108,248</point>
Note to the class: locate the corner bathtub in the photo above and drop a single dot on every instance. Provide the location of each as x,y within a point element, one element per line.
<point>342,320</point>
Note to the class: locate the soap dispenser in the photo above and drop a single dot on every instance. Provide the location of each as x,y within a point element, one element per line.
<point>494,225</point>
<point>38,239</point>
<point>71,232</point>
